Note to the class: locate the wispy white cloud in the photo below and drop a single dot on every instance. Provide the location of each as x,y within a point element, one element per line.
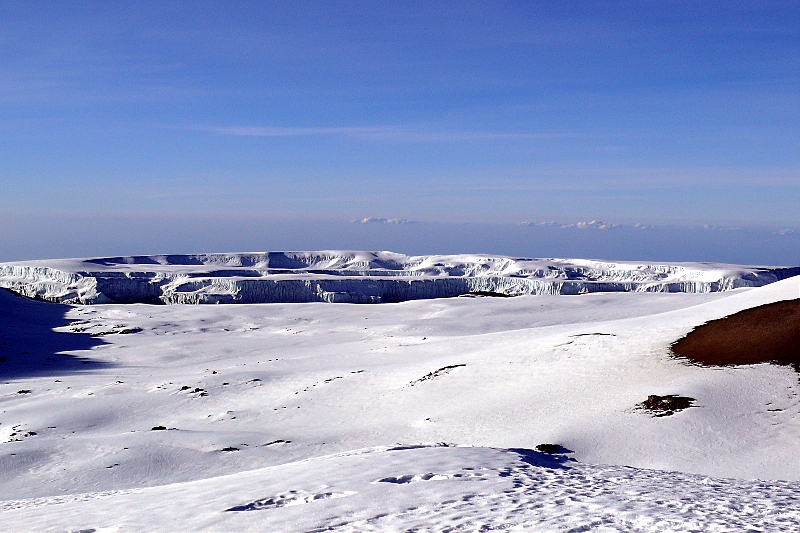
<point>376,220</point>
<point>378,133</point>
<point>549,224</point>
<point>254,131</point>
<point>568,177</point>
<point>594,224</point>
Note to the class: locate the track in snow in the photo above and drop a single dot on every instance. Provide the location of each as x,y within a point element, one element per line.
<point>424,488</point>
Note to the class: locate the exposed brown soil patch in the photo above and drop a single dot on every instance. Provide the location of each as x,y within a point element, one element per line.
<point>765,334</point>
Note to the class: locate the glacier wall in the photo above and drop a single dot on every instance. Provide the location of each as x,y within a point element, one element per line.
<point>355,277</point>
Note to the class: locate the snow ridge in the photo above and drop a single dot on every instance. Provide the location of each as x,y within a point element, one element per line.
<point>356,277</point>
<point>432,489</point>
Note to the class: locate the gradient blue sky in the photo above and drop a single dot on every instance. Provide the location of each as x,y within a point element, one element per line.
<point>659,112</point>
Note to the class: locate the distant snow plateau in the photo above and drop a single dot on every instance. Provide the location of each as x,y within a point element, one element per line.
<point>356,277</point>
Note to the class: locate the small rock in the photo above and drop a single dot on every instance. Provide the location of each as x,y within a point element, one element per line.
<point>666,405</point>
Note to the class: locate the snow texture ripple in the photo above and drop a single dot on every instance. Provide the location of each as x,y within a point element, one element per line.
<point>432,488</point>
<point>310,417</point>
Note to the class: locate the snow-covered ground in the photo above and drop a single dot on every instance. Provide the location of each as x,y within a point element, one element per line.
<point>317,416</point>
<point>427,489</point>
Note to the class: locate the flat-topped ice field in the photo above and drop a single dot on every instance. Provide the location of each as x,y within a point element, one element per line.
<point>422,414</point>
<point>356,277</point>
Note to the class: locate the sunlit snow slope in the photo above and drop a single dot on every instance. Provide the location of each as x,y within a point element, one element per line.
<point>355,277</point>
<point>312,417</point>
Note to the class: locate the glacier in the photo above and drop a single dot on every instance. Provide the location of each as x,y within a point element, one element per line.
<point>356,277</point>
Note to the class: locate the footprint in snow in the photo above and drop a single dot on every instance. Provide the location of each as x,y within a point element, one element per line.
<point>416,478</point>
<point>291,498</point>
<point>435,374</point>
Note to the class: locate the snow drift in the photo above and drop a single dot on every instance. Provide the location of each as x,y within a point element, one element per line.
<point>356,277</point>
<point>308,417</point>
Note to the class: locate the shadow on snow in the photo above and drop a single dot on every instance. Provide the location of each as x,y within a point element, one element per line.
<point>546,460</point>
<point>29,346</point>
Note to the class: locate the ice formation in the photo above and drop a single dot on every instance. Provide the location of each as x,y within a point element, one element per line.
<point>356,277</point>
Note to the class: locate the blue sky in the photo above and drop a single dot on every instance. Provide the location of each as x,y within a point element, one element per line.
<point>663,113</point>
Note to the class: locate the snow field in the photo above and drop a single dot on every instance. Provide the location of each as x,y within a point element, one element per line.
<point>429,489</point>
<point>264,406</point>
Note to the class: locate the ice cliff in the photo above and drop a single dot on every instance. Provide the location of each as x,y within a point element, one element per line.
<point>355,277</point>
